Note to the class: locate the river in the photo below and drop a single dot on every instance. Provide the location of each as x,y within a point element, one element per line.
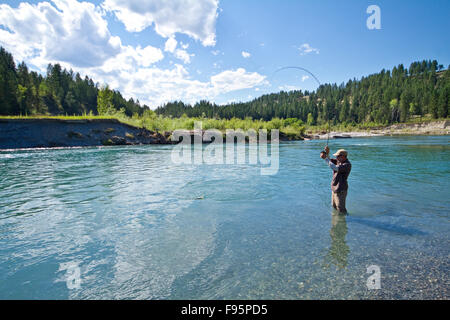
<point>128,223</point>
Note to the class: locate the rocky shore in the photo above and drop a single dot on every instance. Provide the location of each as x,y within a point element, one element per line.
<point>424,128</point>
<point>49,133</point>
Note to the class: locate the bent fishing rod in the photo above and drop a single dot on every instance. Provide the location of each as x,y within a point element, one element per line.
<point>315,78</point>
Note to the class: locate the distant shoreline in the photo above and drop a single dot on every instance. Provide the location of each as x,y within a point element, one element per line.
<point>438,128</point>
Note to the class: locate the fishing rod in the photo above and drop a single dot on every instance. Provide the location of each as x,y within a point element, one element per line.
<point>299,68</point>
<point>315,78</point>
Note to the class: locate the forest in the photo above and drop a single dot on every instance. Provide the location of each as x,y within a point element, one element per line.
<point>386,97</point>
<point>60,92</point>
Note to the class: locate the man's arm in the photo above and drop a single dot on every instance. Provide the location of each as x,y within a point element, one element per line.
<point>331,164</point>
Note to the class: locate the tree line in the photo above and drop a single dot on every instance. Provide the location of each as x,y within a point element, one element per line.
<point>60,92</point>
<point>385,97</point>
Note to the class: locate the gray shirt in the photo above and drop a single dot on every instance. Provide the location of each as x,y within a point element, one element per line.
<point>341,172</point>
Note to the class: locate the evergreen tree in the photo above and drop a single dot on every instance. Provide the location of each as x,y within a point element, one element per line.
<point>443,101</point>
<point>8,84</point>
<point>384,97</point>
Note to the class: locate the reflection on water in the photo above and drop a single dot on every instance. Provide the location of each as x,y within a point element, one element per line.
<point>140,227</point>
<point>339,250</point>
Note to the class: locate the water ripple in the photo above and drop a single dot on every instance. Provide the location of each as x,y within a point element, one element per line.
<point>140,227</point>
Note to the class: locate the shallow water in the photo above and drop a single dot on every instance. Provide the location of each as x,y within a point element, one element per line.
<point>138,226</point>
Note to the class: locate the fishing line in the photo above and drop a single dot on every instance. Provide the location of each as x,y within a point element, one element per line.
<point>315,78</point>
<point>299,68</point>
<point>328,113</point>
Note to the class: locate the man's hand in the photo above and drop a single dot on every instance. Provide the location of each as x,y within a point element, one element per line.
<point>327,150</point>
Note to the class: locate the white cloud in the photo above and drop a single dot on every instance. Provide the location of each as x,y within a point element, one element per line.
<point>306,48</point>
<point>230,80</point>
<point>170,45</point>
<point>131,57</point>
<point>305,78</point>
<point>155,86</point>
<point>69,31</point>
<point>195,18</point>
<point>183,55</point>
<point>246,54</point>
<point>76,35</point>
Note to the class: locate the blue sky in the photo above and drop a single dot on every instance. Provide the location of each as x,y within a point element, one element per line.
<point>222,51</point>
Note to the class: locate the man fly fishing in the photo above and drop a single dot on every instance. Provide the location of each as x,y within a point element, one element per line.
<point>341,170</point>
<point>341,166</point>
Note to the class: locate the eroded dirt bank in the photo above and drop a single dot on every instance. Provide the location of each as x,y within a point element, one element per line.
<point>47,133</point>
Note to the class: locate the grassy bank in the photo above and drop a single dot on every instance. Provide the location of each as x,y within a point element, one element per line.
<point>363,127</point>
<point>292,128</point>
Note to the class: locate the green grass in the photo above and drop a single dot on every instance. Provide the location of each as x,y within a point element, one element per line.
<point>367,126</point>
<point>291,127</point>
<point>162,124</point>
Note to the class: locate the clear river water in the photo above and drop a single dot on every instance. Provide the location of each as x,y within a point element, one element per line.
<point>128,223</point>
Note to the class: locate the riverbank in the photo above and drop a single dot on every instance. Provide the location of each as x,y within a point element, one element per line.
<point>19,133</point>
<point>16,133</point>
<point>425,128</point>
<point>50,133</point>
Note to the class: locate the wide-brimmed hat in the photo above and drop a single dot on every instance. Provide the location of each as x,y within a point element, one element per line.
<point>341,152</point>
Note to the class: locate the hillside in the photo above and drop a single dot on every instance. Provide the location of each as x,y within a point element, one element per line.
<point>384,98</point>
